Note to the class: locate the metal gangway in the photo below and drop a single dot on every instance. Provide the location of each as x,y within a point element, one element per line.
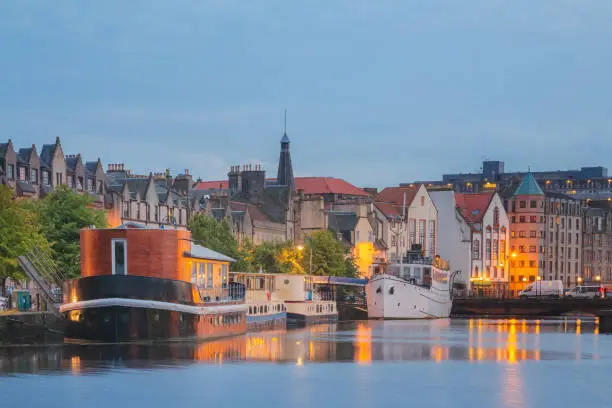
<point>40,268</point>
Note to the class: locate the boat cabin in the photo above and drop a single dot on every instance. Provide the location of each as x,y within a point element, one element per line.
<point>134,250</point>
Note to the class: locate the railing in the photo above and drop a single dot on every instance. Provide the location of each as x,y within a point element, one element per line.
<point>40,268</point>
<point>231,293</point>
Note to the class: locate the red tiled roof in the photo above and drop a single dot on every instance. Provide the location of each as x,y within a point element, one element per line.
<point>473,206</point>
<point>327,185</point>
<point>207,185</point>
<point>395,195</point>
<point>390,210</point>
<point>310,185</point>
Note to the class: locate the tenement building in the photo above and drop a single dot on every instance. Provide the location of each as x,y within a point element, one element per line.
<point>587,182</point>
<point>545,235</point>
<point>597,245</point>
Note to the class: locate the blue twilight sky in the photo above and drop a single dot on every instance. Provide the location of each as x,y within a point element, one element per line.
<point>377,91</point>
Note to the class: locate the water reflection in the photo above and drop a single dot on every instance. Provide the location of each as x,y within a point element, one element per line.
<point>507,341</point>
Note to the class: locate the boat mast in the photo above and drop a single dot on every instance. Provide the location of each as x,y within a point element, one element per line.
<point>402,232</point>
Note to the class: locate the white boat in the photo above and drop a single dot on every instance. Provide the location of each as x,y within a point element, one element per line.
<point>266,310</point>
<point>413,287</point>
<point>305,301</point>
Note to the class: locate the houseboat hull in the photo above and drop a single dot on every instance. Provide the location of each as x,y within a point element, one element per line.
<point>119,309</point>
<point>389,297</point>
<point>266,315</point>
<point>311,312</point>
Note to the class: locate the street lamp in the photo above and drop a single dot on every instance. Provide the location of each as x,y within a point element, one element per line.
<point>301,248</point>
<point>598,278</point>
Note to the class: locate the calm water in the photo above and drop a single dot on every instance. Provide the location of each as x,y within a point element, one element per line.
<point>458,363</point>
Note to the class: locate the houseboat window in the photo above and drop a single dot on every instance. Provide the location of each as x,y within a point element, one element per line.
<point>261,283</point>
<point>201,275</point>
<point>119,257</point>
<point>224,275</point>
<point>194,274</point>
<point>209,276</point>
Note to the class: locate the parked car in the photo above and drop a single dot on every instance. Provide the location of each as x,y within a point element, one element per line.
<point>552,288</point>
<point>586,292</point>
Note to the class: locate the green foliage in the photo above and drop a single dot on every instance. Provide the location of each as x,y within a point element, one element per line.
<point>217,235</point>
<point>328,255</point>
<point>19,232</point>
<point>62,214</point>
<point>278,257</point>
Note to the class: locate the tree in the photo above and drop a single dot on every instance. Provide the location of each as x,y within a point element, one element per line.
<point>62,214</point>
<point>278,257</point>
<point>19,233</point>
<point>328,255</point>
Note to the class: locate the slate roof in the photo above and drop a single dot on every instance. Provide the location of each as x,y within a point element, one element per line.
<point>91,167</point>
<point>71,163</point>
<point>395,195</point>
<point>342,221</point>
<point>271,207</point>
<point>46,154</point>
<point>473,206</point>
<point>3,147</point>
<point>529,186</point>
<point>200,252</point>
<point>388,209</point>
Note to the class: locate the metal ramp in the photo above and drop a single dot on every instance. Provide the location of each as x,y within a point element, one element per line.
<point>40,268</point>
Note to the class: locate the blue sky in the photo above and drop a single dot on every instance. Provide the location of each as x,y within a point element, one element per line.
<point>377,92</point>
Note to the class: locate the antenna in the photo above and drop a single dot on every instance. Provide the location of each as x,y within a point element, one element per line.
<point>285,123</point>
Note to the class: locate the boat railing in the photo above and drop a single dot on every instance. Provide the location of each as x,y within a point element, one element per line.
<point>227,293</point>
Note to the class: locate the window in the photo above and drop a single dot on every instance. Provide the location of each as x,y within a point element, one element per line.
<point>533,234</point>
<point>533,218</point>
<point>569,223</point>
<point>34,176</point>
<point>22,173</point>
<point>522,234</point>
<point>431,244</point>
<point>577,223</point>
<point>194,273</point>
<point>541,249</point>
<point>495,249</point>
<point>531,278</point>
<point>562,222</point>
<point>532,264</point>
<point>488,248</point>
<point>521,219</point>
<point>522,204</point>
<point>542,234</point>
<point>513,206</point>
<point>422,201</point>
<point>209,276</point>
<point>533,248</point>
<point>412,231</point>
<point>512,234</point>
<point>569,238</point>
<point>496,217</point>
<point>513,219</point>
<point>70,181</point>
<point>502,249</point>
<point>542,219</point>
<point>224,275</point>
<point>119,256</point>
<point>533,204</point>
<point>45,178</point>
<point>59,179</point>
<point>422,227</point>
<point>393,240</point>
<point>357,235</point>
<point>521,248</point>
<point>10,171</point>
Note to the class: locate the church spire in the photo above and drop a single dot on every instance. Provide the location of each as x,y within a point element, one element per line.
<point>285,169</point>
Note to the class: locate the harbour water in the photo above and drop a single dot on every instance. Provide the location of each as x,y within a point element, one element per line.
<point>441,363</point>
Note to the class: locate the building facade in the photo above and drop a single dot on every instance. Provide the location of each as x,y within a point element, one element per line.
<point>490,233</point>
<point>546,235</point>
<point>597,245</point>
<point>587,182</point>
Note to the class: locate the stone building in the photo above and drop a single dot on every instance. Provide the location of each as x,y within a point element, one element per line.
<point>597,245</point>
<point>545,237</point>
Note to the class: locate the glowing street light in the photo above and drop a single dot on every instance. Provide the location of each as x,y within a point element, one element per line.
<point>579,279</point>
<point>300,247</point>
<point>598,278</point>
<point>514,254</point>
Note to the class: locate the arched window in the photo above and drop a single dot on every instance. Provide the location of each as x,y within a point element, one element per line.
<point>496,217</point>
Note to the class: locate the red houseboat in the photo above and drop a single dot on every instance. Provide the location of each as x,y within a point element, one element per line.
<point>144,284</point>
